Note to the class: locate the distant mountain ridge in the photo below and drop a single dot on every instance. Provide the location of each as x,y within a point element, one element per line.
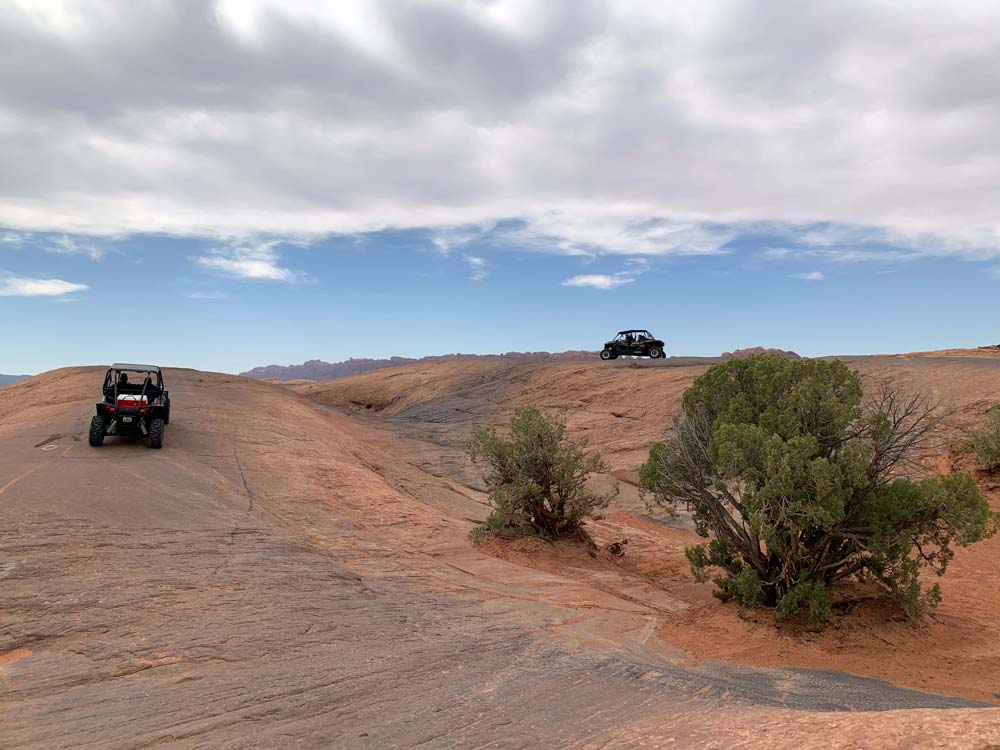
<point>316,369</point>
<point>8,379</point>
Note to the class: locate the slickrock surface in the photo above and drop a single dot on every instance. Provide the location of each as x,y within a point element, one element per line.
<point>621,408</point>
<point>285,574</point>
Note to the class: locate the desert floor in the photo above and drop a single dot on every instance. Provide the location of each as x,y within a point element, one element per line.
<point>293,569</point>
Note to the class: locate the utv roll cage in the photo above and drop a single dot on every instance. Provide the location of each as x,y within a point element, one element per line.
<point>640,331</point>
<point>148,388</point>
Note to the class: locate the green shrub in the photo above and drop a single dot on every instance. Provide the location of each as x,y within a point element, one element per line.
<point>493,526</point>
<point>985,443</point>
<point>537,478</point>
<point>744,587</point>
<point>806,597</point>
<point>793,475</point>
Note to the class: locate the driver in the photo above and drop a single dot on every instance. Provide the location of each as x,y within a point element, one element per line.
<point>122,379</point>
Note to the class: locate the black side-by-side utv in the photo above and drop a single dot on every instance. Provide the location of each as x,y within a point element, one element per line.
<point>635,342</point>
<point>135,403</point>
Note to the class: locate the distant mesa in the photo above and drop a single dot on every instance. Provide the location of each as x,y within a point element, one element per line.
<point>759,350</point>
<point>8,379</point>
<point>316,369</point>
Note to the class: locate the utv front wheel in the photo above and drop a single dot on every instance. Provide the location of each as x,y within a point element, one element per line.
<point>156,433</point>
<point>654,352</point>
<point>96,437</point>
<point>606,354</point>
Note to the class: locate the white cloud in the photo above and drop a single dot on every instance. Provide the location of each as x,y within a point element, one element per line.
<point>585,230</point>
<point>447,238</point>
<point>851,255</point>
<point>776,253</point>
<point>845,254</point>
<point>16,286</point>
<point>477,266</point>
<point>810,276</point>
<point>600,280</point>
<point>624,127</point>
<point>66,245</point>
<point>618,230</point>
<point>254,261</point>
<point>61,244</point>
<point>207,295</point>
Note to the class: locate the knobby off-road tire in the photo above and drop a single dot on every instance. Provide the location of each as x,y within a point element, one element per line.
<point>156,433</point>
<point>166,414</point>
<point>606,354</point>
<point>96,437</point>
<point>654,352</point>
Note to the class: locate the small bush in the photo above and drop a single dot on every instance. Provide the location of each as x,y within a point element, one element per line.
<point>537,478</point>
<point>493,526</point>
<point>985,443</point>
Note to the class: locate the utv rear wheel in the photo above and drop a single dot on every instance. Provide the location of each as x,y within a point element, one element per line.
<point>156,433</point>
<point>654,352</point>
<point>166,414</point>
<point>96,437</point>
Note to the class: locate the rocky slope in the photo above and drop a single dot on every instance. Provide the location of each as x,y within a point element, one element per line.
<point>621,410</point>
<point>288,574</point>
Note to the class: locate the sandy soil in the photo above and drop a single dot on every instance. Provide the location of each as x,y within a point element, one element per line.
<point>621,410</point>
<point>289,574</point>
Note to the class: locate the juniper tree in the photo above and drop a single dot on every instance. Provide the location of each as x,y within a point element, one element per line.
<point>798,481</point>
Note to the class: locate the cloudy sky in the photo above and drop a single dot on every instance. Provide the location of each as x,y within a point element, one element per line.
<point>236,183</point>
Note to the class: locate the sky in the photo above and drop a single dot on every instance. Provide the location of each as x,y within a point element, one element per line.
<point>240,183</point>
